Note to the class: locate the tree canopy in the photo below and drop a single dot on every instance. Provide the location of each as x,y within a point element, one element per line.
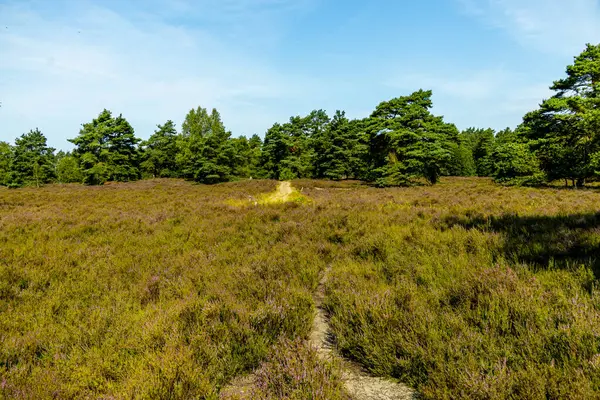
<point>400,143</point>
<point>565,131</point>
<point>32,161</point>
<point>5,161</point>
<point>159,152</point>
<point>106,150</point>
<point>407,142</point>
<point>206,153</point>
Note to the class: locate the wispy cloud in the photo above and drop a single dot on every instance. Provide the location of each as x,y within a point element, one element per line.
<point>553,26</point>
<point>56,68</point>
<point>494,97</point>
<point>260,61</point>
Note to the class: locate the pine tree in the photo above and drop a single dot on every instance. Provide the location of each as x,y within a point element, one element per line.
<point>289,149</point>
<point>206,153</point>
<point>514,164</point>
<point>407,142</point>
<point>6,155</point>
<point>341,149</point>
<point>247,155</point>
<point>32,162</point>
<point>159,152</point>
<point>106,150</point>
<point>565,130</point>
<point>67,168</point>
<point>481,144</point>
<point>275,149</point>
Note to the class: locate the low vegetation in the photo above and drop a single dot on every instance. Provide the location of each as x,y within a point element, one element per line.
<point>156,289</point>
<point>295,372</point>
<point>163,289</point>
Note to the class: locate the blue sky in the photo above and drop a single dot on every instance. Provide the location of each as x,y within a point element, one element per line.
<point>260,61</point>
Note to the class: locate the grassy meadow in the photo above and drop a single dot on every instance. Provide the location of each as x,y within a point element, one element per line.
<point>164,289</point>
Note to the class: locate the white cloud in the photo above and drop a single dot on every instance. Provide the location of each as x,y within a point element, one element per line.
<point>494,97</point>
<point>58,71</point>
<point>475,85</point>
<point>558,27</point>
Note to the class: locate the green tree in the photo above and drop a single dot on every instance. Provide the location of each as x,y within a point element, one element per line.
<point>67,168</point>
<point>300,135</point>
<point>565,131</point>
<point>206,153</point>
<point>247,157</point>
<point>6,155</point>
<point>32,162</point>
<point>289,149</point>
<point>276,148</point>
<point>481,144</point>
<point>159,152</point>
<point>341,149</point>
<point>106,150</point>
<point>407,142</point>
<point>506,136</point>
<point>254,156</point>
<point>515,164</point>
<point>462,162</point>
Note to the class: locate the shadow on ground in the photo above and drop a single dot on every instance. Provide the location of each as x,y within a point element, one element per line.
<point>561,241</point>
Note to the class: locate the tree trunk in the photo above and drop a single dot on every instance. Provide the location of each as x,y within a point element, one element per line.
<point>580,182</point>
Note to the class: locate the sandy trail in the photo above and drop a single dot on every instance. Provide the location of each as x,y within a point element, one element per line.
<point>359,384</point>
<point>284,190</point>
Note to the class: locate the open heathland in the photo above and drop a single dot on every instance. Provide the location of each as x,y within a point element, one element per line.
<point>172,290</point>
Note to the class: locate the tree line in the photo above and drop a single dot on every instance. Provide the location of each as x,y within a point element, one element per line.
<point>400,143</point>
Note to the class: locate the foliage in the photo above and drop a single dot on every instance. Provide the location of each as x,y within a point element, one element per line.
<point>206,153</point>
<point>401,143</point>
<point>565,130</point>
<point>6,154</point>
<point>341,149</point>
<point>407,142</point>
<point>106,150</point>
<point>515,164</point>
<point>67,168</point>
<point>288,151</point>
<point>159,152</point>
<point>507,136</point>
<point>32,162</point>
<point>480,142</point>
<point>247,155</point>
<point>462,162</point>
<point>160,289</point>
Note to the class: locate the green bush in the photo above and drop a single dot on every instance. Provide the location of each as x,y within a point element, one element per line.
<point>515,165</point>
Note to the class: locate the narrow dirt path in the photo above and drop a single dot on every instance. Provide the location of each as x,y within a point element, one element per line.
<point>284,190</point>
<point>359,384</point>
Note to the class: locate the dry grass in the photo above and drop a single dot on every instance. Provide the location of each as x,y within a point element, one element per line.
<point>161,289</point>
<point>154,289</point>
